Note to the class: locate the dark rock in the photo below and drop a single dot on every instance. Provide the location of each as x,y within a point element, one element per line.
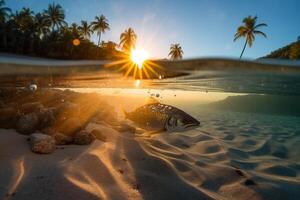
<point>61,139</point>
<point>8,117</point>
<point>31,107</point>
<point>27,124</point>
<point>46,118</point>
<point>69,127</point>
<point>83,138</point>
<point>41,143</point>
<point>99,135</point>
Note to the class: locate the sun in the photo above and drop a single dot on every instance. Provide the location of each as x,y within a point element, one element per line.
<point>138,56</point>
<point>137,64</point>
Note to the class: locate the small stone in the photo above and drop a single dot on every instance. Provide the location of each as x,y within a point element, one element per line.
<point>46,118</point>
<point>83,138</point>
<point>99,135</point>
<point>27,124</point>
<point>30,107</point>
<point>61,139</point>
<point>41,143</point>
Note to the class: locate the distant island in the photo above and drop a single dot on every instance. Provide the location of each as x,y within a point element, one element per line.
<point>291,51</point>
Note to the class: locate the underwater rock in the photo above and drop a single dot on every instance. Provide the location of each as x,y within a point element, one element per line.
<point>41,143</point>
<point>83,137</point>
<point>67,110</point>
<point>31,107</point>
<point>99,135</point>
<point>70,126</point>
<point>27,124</point>
<point>8,117</point>
<point>46,118</point>
<point>61,139</point>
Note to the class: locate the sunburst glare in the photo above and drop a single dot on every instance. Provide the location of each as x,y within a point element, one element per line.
<point>137,65</point>
<point>139,56</point>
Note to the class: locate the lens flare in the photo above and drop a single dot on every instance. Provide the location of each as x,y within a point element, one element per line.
<point>76,42</point>
<point>138,56</point>
<point>137,64</point>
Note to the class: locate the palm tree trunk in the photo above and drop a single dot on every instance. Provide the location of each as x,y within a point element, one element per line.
<point>243,49</point>
<point>99,39</point>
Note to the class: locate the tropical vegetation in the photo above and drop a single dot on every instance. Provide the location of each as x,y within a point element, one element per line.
<point>47,34</point>
<point>291,51</point>
<point>176,52</point>
<point>248,30</point>
<point>128,40</point>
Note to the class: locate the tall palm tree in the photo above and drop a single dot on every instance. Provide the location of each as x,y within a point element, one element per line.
<point>128,40</point>
<point>85,30</point>
<point>42,25</point>
<point>56,16</point>
<point>100,25</point>
<point>248,30</point>
<point>176,51</point>
<point>4,12</point>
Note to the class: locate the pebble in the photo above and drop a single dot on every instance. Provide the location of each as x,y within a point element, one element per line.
<point>41,143</point>
<point>27,124</point>
<point>83,137</point>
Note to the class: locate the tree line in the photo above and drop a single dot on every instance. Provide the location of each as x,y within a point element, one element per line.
<point>47,34</point>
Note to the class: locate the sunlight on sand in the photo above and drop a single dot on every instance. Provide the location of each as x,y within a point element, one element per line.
<point>19,174</point>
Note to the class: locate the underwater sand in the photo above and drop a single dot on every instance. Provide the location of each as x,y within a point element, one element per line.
<point>233,155</point>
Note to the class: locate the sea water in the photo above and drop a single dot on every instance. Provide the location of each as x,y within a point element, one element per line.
<point>250,119</point>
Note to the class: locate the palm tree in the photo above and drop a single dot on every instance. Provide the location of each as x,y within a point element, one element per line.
<point>42,25</point>
<point>176,51</point>
<point>248,31</point>
<point>74,28</point>
<point>56,16</point>
<point>85,30</point>
<point>128,40</point>
<point>100,25</point>
<point>4,12</point>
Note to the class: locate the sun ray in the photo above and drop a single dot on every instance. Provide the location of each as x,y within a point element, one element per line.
<point>145,70</point>
<point>136,65</point>
<point>129,70</point>
<point>152,70</point>
<point>134,72</point>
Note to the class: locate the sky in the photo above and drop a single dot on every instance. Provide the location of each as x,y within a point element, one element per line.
<point>204,28</point>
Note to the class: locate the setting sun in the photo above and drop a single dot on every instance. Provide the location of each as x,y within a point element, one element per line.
<point>138,56</point>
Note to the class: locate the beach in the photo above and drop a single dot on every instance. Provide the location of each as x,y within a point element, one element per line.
<point>232,155</point>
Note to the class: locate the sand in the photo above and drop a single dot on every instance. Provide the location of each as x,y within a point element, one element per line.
<point>232,156</point>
